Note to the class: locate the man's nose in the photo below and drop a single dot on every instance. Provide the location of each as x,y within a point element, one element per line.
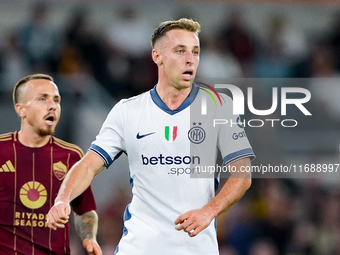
<point>189,58</point>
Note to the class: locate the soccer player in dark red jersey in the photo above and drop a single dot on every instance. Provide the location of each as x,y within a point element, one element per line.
<point>33,164</point>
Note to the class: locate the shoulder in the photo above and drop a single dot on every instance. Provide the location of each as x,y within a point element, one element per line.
<point>68,146</point>
<point>135,100</point>
<point>6,143</point>
<point>130,105</point>
<point>225,98</point>
<point>6,137</point>
<point>218,98</point>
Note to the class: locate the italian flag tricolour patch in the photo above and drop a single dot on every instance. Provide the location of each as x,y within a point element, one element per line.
<point>170,133</point>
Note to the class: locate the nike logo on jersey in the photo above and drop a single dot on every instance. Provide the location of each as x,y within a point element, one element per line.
<point>138,136</point>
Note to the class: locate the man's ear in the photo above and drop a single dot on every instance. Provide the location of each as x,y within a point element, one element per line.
<point>156,57</point>
<point>21,110</point>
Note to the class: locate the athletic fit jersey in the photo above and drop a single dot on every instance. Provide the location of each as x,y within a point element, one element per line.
<point>29,182</point>
<point>164,149</point>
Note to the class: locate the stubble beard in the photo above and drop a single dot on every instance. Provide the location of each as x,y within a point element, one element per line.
<point>46,132</point>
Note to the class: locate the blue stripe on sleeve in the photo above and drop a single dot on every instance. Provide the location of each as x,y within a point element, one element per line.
<point>101,153</point>
<point>245,153</point>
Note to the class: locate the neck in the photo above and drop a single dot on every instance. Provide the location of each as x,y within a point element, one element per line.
<point>32,139</point>
<point>173,97</point>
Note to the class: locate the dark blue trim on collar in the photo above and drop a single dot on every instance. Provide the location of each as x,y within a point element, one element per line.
<point>158,101</point>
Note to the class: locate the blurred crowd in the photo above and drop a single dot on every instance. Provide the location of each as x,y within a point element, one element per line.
<point>118,56</point>
<point>276,216</point>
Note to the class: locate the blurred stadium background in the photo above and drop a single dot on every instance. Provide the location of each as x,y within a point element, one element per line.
<point>99,51</point>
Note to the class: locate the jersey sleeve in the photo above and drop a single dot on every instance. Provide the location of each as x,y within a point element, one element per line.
<point>109,143</point>
<point>232,139</point>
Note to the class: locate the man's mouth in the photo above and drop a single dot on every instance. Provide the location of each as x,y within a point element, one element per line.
<point>188,75</point>
<point>50,120</point>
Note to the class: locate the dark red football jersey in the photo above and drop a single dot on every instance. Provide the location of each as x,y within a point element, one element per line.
<point>29,182</point>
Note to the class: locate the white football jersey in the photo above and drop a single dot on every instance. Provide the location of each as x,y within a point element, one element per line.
<point>166,148</point>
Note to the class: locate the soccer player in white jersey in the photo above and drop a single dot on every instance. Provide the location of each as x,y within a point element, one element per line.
<point>172,210</point>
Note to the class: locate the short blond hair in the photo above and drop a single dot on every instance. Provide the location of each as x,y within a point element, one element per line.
<point>183,23</point>
<point>17,92</point>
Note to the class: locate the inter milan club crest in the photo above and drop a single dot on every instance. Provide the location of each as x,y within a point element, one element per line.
<point>196,134</point>
<point>59,170</point>
<point>170,133</point>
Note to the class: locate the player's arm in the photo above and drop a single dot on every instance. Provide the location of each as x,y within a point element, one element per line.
<point>193,222</point>
<point>87,227</point>
<point>76,182</point>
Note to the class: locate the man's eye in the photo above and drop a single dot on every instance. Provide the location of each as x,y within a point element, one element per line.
<point>180,51</point>
<point>42,99</point>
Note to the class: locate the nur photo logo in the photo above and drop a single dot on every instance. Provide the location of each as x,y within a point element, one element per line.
<point>302,96</point>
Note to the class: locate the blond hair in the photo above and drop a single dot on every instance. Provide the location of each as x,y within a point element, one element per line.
<point>183,23</point>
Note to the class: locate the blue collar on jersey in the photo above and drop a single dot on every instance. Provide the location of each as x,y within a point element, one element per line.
<point>158,101</point>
